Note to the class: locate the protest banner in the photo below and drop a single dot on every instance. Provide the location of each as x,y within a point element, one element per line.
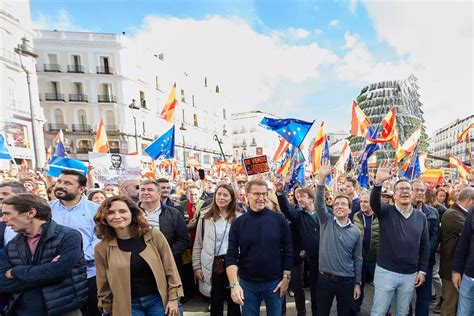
<point>256,165</point>
<point>112,168</point>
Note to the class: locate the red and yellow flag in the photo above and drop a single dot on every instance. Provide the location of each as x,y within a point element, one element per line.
<point>433,176</point>
<point>465,134</point>
<point>463,170</point>
<point>101,144</point>
<point>318,148</point>
<point>170,106</point>
<point>280,152</point>
<point>389,132</point>
<point>409,145</point>
<point>360,122</point>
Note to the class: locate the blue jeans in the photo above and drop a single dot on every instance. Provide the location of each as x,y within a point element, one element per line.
<point>466,297</point>
<point>254,292</point>
<point>150,305</point>
<point>368,271</point>
<point>423,296</point>
<point>386,283</point>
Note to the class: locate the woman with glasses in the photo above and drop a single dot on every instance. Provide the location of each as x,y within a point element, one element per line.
<point>136,271</point>
<point>210,248</point>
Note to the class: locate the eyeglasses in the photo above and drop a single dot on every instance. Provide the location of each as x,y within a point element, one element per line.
<point>403,189</point>
<point>136,187</point>
<point>259,194</point>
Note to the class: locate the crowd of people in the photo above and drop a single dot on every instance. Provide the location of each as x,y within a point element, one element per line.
<point>69,246</point>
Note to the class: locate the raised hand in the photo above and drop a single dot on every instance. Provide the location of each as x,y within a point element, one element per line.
<point>384,172</point>
<point>279,185</point>
<point>325,169</point>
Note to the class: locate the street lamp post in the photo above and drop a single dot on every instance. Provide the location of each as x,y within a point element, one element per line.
<point>24,49</point>
<point>219,142</point>
<point>182,128</point>
<point>133,107</point>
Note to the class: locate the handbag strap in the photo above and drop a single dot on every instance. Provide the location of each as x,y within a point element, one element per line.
<point>222,241</point>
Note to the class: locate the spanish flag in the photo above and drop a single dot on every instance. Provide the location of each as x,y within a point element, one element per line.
<point>281,150</point>
<point>463,170</point>
<point>465,134</point>
<point>389,132</point>
<point>101,144</point>
<point>317,150</point>
<point>409,145</point>
<point>170,106</point>
<point>360,122</point>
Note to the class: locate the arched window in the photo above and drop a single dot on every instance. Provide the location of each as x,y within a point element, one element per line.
<point>81,117</point>
<point>58,116</point>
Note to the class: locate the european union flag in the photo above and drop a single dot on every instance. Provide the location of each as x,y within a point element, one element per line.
<point>350,163</point>
<point>162,147</point>
<point>61,163</point>
<point>325,155</point>
<point>292,130</point>
<point>363,177</point>
<point>413,170</point>
<point>297,174</point>
<point>60,150</point>
<point>4,153</point>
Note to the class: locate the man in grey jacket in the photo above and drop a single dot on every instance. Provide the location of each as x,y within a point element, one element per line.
<point>340,254</point>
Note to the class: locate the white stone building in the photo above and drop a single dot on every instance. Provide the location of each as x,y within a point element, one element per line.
<point>249,138</point>
<point>444,142</point>
<point>16,117</point>
<point>86,76</point>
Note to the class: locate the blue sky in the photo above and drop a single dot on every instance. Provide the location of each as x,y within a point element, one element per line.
<point>322,53</point>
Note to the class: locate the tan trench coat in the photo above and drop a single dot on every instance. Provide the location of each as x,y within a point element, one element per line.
<point>113,273</point>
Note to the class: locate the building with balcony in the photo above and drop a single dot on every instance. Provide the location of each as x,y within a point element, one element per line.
<point>16,117</point>
<point>249,138</point>
<point>376,100</point>
<point>444,142</point>
<point>97,76</point>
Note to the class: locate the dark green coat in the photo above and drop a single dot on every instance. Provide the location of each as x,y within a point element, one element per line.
<point>371,255</point>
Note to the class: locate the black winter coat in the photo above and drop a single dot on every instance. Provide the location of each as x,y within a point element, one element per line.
<point>39,285</point>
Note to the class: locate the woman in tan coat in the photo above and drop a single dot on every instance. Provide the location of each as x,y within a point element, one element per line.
<point>131,255</point>
<point>210,247</point>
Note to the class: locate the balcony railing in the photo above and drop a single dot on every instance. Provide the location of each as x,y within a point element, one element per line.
<point>112,128</point>
<point>78,98</point>
<point>83,150</point>
<point>54,97</point>
<point>143,103</point>
<point>57,127</point>
<point>107,98</point>
<point>52,68</point>
<point>81,128</point>
<point>104,70</point>
<point>78,69</point>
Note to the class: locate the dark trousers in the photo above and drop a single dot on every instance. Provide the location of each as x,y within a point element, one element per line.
<point>313,283</point>
<point>423,296</point>
<point>187,278</point>
<point>334,286</point>
<point>91,309</point>
<point>368,271</point>
<point>296,286</point>
<point>219,294</point>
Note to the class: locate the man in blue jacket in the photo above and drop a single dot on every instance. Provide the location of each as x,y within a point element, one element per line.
<point>404,245</point>
<point>43,267</point>
<point>423,293</point>
<point>306,223</point>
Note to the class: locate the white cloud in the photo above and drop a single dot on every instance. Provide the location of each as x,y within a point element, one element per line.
<point>60,21</point>
<point>291,34</point>
<point>352,6</point>
<point>436,40</point>
<point>333,23</point>
<point>247,65</point>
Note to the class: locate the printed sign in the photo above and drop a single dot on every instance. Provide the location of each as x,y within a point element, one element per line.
<point>112,168</point>
<point>256,165</point>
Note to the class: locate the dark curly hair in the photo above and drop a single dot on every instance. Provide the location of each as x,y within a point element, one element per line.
<point>138,227</point>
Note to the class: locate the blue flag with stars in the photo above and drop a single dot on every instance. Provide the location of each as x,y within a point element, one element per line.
<point>162,147</point>
<point>325,155</point>
<point>368,149</point>
<point>292,130</point>
<point>297,174</point>
<point>350,163</point>
<point>4,153</point>
<point>413,170</point>
<point>60,150</point>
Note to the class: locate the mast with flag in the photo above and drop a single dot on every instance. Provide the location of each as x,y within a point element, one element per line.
<point>101,144</point>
